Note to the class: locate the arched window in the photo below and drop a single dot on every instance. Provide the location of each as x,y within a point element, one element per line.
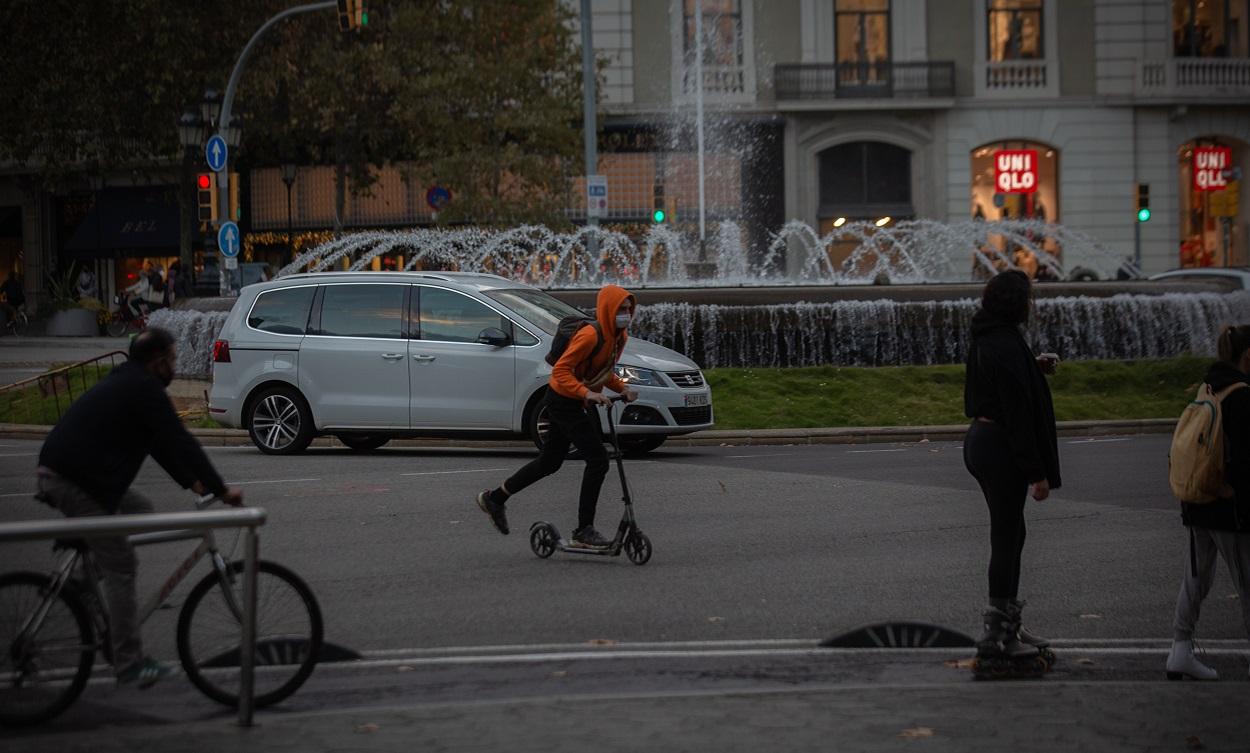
<point>864,180</point>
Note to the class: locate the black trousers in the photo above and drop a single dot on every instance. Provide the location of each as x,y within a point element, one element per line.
<point>571,423</point>
<point>988,458</point>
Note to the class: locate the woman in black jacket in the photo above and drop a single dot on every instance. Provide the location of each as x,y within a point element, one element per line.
<point>1222,526</point>
<point>1012,451</point>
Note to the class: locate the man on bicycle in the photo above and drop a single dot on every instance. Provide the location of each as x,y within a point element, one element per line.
<point>91,458</point>
<point>577,380</point>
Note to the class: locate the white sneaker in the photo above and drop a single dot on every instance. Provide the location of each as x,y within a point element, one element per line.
<point>1182,663</point>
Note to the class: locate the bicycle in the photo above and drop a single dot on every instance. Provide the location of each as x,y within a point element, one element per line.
<point>124,319</point>
<point>17,323</point>
<point>51,626</point>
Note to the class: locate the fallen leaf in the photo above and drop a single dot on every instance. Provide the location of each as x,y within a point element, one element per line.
<point>1085,660</point>
<point>960,663</point>
<point>601,642</point>
<point>405,668</point>
<point>1091,616</point>
<point>454,522</point>
<point>924,441</point>
<point>716,619</point>
<point>559,673</point>
<point>1193,742</point>
<point>935,450</point>
<point>915,733</point>
<point>723,490</point>
<point>367,728</point>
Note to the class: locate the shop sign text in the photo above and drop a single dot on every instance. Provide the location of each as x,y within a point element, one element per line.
<point>1015,170</point>
<point>1210,162</point>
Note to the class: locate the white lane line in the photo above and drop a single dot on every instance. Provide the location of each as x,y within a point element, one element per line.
<point>1098,441</point>
<point>441,473</point>
<point>19,494</point>
<point>19,455</point>
<point>272,481</point>
<point>529,648</point>
<point>853,452</point>
<point>763,455</point>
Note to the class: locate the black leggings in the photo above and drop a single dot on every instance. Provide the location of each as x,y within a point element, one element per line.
<point>571,423</point>
<point>987,456</point>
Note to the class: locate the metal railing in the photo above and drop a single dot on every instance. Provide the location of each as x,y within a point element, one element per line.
<point>43,399</point>
<point>249,518</point>
<point>1195,77</point>
<point>883,80</point>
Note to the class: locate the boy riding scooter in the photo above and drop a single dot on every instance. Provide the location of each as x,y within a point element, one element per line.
<point>577,380</point>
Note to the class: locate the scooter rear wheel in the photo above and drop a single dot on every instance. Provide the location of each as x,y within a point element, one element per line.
<point>638,548</point>
<point>543,539</point>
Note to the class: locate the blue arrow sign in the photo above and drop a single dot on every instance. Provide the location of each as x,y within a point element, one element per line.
<point>215,152</point>
<point>228,239</point>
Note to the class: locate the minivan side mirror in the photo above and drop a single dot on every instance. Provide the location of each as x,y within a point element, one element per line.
<point>494,336</point>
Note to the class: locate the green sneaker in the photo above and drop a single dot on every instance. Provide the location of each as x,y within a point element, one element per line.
<point>144,674</point>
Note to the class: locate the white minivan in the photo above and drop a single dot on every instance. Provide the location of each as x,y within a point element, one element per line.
<point>369,356</point>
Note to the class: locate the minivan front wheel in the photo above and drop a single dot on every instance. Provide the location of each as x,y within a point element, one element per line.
<point>279,422</point>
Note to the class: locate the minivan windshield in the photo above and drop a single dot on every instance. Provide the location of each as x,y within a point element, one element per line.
<point>535,306</point>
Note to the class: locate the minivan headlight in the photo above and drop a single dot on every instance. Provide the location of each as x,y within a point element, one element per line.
<point>638,375</point>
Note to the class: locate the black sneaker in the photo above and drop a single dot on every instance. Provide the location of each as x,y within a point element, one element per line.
<point>498,516</point>
<point>589,537</point>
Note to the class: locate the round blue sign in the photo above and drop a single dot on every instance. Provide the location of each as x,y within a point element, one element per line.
<point>215,153</point>
<point>437,197</point>
<point>228,239</point>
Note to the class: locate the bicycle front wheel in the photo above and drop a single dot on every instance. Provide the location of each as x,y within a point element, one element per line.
<point>44,662</point>
<point>288,634</point>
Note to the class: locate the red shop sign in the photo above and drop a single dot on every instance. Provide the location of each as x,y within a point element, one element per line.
<point>1210,162</point>
<point>1015,171</point>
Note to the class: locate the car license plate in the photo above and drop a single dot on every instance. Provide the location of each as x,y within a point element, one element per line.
<point>693,401</point>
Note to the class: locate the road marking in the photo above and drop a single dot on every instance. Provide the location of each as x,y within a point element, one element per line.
<point>19,494</point>
<point>763,455</point>
<point>272,481</point>
<point>440,473</point>
<point>19,455</point>
<point>1096,441</point>
<point>852,452</point>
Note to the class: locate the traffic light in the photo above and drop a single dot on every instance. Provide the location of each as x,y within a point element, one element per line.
<point>235,213</point>
<point>352,15</point>
<point>659,212</point>
<point>1143,202</point>
<point>206,196</point>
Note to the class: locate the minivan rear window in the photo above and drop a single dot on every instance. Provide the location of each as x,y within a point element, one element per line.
<point>282,312</point>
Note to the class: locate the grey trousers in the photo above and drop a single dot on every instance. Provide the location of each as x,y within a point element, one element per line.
<point>115,557</point>
<point>1234,548</point>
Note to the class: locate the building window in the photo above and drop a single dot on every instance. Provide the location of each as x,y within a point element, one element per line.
<point>862,41</point>
<point>723,55</point>
<point>1209,28</point>
<point>1210,172</point>
<point>1014,29</point>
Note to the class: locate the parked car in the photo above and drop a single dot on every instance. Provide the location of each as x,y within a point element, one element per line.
<point>1239,277</point>
<point>369,356</point>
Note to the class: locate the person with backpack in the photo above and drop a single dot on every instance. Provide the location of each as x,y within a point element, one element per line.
<point>1209,471</point>
<point>580,372</point>
<point>1012,450</point>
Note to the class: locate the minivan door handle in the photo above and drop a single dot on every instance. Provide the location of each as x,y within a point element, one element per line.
<point>424,359</point>
<point>392,356</point>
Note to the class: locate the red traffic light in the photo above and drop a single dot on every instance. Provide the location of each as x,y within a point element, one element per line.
<point>204,181</point>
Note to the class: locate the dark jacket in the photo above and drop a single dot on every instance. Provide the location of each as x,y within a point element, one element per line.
<point>1231,514</point>
<point>1005,384</point>
<point>107,433</point>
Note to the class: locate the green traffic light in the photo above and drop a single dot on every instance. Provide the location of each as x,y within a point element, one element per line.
<point>364,19</point>
<point>1143,214</point>
<point>658,215</point>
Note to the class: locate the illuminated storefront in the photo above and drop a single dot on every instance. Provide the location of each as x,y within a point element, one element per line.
<point>1211,232</point>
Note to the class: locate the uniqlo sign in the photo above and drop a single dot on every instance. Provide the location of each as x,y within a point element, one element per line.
<point>1210,162</point>
<point>1015,171</point>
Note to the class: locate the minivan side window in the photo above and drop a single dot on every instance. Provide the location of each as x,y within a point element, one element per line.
<point>448,316</point>
<point>362,311</point>
<point>282,312</point>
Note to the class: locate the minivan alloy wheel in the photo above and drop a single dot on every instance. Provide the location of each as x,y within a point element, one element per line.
<point>276,421</point>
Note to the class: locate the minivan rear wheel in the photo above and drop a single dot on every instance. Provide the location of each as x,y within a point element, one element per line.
<point>279,422</point>
<point>362,442</point>
<point>539,425</point>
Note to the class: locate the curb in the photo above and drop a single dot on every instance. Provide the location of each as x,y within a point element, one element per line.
<point>714,437</point>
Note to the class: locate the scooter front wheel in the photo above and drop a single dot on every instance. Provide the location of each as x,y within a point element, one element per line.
<point>638,547</point>
<point>543,538</point>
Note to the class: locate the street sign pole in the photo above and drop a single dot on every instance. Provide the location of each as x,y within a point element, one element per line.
<point>588,122</point>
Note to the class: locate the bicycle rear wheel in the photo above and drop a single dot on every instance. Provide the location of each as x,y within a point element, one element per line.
<point>20,323</point>
<point>43,667</point>
<point>288,635</point>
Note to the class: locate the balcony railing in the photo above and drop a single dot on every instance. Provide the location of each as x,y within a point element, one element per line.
<point>864,80</point>
<point>1015,75</point>
<point>1196,76</point>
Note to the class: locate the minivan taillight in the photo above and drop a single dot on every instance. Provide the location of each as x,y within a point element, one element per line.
<point>221,351</point>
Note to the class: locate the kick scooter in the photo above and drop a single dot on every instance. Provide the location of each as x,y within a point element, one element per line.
<point>545,539</point>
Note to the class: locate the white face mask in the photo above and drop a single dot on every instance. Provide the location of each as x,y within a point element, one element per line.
<point>622,321</point>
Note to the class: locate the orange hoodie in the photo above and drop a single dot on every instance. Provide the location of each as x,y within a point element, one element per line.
<point>576,373</point>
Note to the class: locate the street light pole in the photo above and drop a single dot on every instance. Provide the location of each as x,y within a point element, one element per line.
<point>591,127</point>
<point>288,179</point>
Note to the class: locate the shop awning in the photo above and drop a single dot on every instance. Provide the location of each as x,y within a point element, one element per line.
<point>128,220</point>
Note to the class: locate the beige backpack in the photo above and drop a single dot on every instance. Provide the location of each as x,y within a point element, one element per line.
<point>1196,459</point>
